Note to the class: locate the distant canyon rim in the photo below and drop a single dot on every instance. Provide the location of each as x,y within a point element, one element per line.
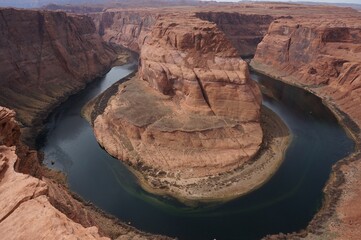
<point>190,113</point>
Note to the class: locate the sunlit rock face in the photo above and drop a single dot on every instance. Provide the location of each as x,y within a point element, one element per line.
<point>192,111</point>
<point>24,199</point>
<point>323,56</point>
<point>45,57</point>
<point>125,27</point>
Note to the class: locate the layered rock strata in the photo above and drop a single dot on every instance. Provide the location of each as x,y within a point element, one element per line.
<point>125,27</point>
<point>325,58</point>
<point>244,24</point>
<point>192,112</point>
<point>45,57</point>
<point>245,31</point>
<point>41,208</point>
<point>24,198</point>
<point>129,27</point>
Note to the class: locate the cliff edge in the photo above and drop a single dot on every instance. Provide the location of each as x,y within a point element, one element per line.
<point>36,205</point>
<point>24,199</point>
<point>324,58</point>
<point>45,57</point>
<point>192,112</point>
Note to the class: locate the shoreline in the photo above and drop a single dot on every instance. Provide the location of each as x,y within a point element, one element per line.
<point>32,134</point>
<point>332,190</point>
<point>221,187</point>
<point>86,213</point>
<point>75,207</point>
<point>238,182</point>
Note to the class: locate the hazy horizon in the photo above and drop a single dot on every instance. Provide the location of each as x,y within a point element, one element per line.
<point>40,3</point>
<point>295,1</point>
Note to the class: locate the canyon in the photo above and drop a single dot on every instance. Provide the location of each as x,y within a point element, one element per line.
<point>198,114</point>
<point>298,49</point>
<point>191,115</point>
<point>324,59</point>
<point>45,57</point>
<point>34,195</point>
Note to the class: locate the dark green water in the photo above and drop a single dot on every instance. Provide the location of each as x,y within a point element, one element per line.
<point>284,204</point>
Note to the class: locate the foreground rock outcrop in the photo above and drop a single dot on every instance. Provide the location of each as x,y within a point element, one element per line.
<point>192,112</point>
<point>39,207</point>
<point>45,57</point>
<point>325,59</point>
<point>24,198</point>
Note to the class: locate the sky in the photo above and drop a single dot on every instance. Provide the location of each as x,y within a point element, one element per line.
<point>329,1</point>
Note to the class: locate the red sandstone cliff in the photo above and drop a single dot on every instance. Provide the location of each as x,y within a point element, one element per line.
<point>129,27</point>
<point>33,206</point>
<point>44,57</point>
<point>244,24</point>
<point>125,27</point>
<point>245,31</point>
<point>192,112</point>
<point>25,210</point>
<point>324,57</point>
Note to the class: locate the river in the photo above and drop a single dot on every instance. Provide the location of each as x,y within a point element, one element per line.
<point>286,203</point>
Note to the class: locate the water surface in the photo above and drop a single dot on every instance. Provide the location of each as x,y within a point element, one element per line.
<point>284,204</point>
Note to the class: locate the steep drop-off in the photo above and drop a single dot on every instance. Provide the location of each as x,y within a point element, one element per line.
<point>324,58</point>
<point>34,205</point>
<point>244,24</point>
<point>25,199</point>
<point>245,31</point>
<point>45,57</point>
<point>192,112</point>
<point>130,27</point>
<point>125,27</point>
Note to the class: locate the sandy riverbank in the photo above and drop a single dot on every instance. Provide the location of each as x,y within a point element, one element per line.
<point>224,186</point>
<point>76,208</point>
<point>232,184</point>
<point>339,216</point>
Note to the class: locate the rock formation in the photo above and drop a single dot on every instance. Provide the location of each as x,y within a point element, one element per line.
<point>39,208</point>
<point>244,24</point>
<point>45,57</point>
<point>245,31</point>
<point>325,58</point>
<point>192,112</point>
<point>24,198</point>
<point>125,27</point>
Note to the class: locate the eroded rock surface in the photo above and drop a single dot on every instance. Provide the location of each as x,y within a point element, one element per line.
<point>192,112</point>
<point>45,57</point>
<point>125,27</point>
<point>41,208</point>
<point>244,24</point>
<point>324,57</point>
<point>25,211</point>
<point>245,31</point>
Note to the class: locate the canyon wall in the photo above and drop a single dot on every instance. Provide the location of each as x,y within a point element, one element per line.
<point>45,57</point>
<point>245,31</point>
<point>322,56</point>
<point>34,203</point>
<point>24,199</point>
<point>125,27</point>
<point>325,58</point>
<point>192,111</point>
<point>130,27</point>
